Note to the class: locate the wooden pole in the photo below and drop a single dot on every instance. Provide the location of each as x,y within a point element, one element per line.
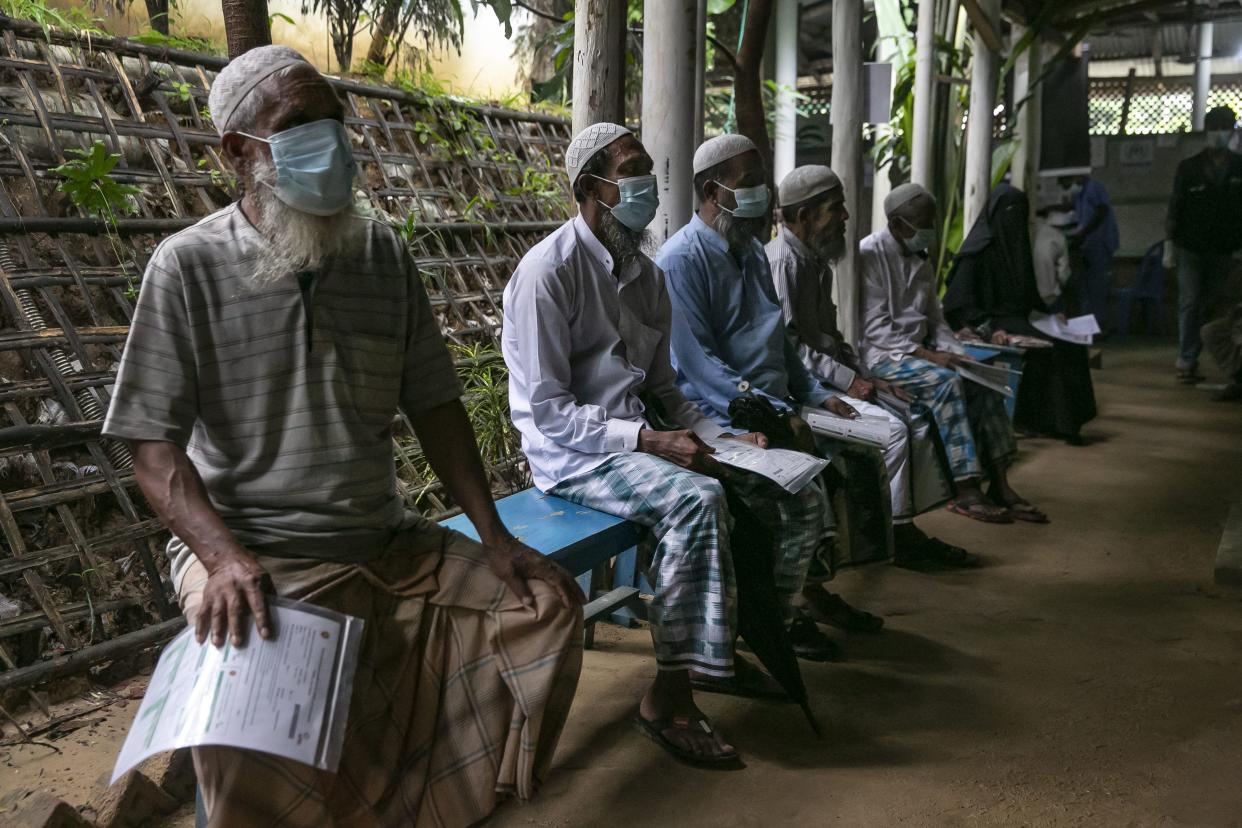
<point>245,25</point>
<point>924,95</point>
<point>599,62</point>
<point>983,72</point>
<point>786,149</point>
<point>847,149</point>
<point>1029,103</point>
<point>700,71</point>
<point>669,72</point>
<point>1203,74</point>
<point>1124,124</point>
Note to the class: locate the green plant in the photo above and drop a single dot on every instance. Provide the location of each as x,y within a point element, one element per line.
<point>70,19</point>
<point>89,185</point>
<point>189,43</point>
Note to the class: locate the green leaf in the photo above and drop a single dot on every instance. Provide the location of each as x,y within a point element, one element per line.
<point>720,6</point>
<point>284,18</point>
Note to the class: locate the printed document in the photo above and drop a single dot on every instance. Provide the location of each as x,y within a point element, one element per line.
<point>872,432</point>
<point>994,377</point>
<point>1080,330</point>
<point>791,470</point>
<point>287,695</point>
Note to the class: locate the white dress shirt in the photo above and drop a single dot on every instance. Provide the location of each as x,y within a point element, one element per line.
<point>1051,259</point>
<point>901,311</point>
<point>581,343</point>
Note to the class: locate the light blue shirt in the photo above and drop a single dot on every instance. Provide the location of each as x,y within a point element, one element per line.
<point>728,328</point>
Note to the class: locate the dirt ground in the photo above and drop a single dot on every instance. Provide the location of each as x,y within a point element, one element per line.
<point>1088,675</point>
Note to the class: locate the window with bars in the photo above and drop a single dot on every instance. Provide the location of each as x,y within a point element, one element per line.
<point>1157,105</point>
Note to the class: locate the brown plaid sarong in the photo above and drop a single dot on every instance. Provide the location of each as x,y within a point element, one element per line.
<point>459,699</point>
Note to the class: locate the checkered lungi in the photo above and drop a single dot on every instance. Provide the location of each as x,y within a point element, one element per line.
<point>693,614</point>
<point>972,420</point>
<point>459,698</point>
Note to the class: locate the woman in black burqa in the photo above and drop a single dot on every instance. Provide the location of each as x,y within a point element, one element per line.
<point>992,290</point>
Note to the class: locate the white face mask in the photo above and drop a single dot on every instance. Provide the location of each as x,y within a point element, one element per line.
<point>314,166</point>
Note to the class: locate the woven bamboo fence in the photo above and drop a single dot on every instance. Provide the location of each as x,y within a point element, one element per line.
<point>470,188</point>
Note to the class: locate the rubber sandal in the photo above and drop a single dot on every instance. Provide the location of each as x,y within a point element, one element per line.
<point>654,729</point>
<point>984,517</point>
<point>935,554</point>
<point>747,682</point>
<point>1191,377</point>
<point>837,613</point>
<point>1021,510</point>
<point>810,643</point>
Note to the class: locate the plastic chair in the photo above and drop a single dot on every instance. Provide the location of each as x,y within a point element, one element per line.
<point>1148,289</point>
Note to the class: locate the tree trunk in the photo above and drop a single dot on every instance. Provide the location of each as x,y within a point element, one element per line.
<point>748,80</point>
<point>385,29</point>
<point>245,25</point>
<point>157,14</point>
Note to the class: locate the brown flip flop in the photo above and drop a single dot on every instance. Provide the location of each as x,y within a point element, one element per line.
<point>654,729</point>
<point>971,510</point>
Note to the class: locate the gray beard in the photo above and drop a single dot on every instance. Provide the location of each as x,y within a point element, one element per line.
<point>737,232</point>
<point>832,250</point>
<point>622,243</point>
<point>295,241</point>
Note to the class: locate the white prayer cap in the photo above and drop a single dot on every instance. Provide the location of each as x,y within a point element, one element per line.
<point>902,195</point>
<point>805,182</point>
<point>720,149</point>
<point>244,72</point>
<point>590,141</point>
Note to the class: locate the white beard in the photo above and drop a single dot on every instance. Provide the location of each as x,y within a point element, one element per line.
<point>295,241</point>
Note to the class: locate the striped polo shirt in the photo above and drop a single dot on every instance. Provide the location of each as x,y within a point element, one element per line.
<point>289,423</point>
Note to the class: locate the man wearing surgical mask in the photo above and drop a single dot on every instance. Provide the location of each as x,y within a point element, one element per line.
<point>730,340</point>
<point>272,346</point>
<point>1204,231</point>
<point>587,324</point>
<point>906,341</point>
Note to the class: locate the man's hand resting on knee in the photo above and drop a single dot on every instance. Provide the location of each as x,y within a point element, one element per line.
<point>236,587</point>
<point>515,563</point>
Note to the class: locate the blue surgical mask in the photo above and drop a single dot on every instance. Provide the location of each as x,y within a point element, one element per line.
<point>752,202</point>
<point>314,166</point>
<point>638,203</point>
<point>922,240</point>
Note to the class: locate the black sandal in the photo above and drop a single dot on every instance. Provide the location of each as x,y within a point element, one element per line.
<point>654,729</point>
<point>933,554</point>
<point>747,682</point>
<point>835,612</point>
<point>810,643</point>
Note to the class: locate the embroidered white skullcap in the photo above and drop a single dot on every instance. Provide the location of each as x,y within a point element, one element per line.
<point>902,195</point>
<point>805,182</point>
<point>720,149</point>
<point>588,142</point>
<point>244,72</point>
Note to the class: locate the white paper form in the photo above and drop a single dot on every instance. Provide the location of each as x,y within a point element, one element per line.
<point>869,431</point>
<point>1080,330</point>
<point>993,377</point>
<point>791,470</point>
<point>287,695</point>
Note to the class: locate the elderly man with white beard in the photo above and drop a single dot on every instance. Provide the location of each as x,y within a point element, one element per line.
<point>810,239</point>
<point>272,345</point>
<point>586,338</point>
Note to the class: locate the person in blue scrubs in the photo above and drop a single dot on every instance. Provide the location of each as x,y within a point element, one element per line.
<point>1096,240</point>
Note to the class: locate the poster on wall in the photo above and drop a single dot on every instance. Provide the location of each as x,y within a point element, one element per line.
<point>1138,153</point>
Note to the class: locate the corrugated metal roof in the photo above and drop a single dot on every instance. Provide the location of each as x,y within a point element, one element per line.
<point>1176,41</point>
